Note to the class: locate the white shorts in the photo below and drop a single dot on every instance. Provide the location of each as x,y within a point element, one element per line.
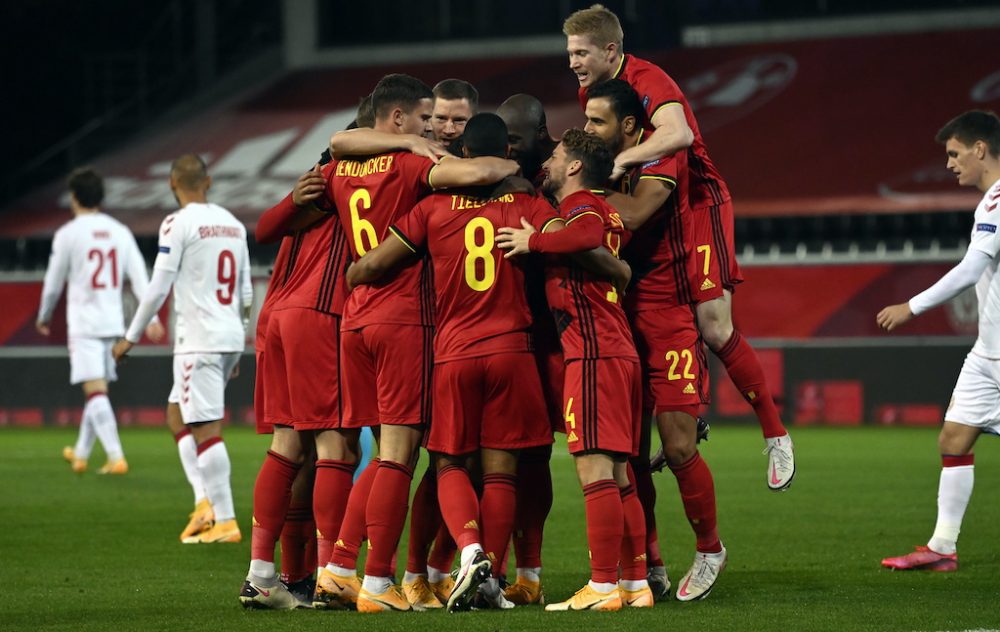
<point>976,398</point>
<point>91,359</point>
<point>200,383</point>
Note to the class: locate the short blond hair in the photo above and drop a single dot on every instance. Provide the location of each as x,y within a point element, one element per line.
<point>598,23</point>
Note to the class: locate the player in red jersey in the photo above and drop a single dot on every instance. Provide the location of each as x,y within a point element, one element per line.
<point>653,203</point>
<point>388,327</point>
<point>488,398</point>
<point>455,102</point>
<point>602,390</point>
<point>594,43</point>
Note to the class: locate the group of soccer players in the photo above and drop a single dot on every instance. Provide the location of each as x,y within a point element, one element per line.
<point>422,295</point>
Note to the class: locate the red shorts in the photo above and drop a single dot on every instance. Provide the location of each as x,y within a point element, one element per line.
<point>389,375</point>
<point>714,252</point>
<point>552,371</point>
<point>488,402</point>
<point>298,372</point>
<point>602,408</point>
<point>674,367</point>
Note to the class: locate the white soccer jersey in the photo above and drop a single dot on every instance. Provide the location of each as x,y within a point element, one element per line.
<point>206,246</point>
<point>93,255</point>
<point>986,239</point>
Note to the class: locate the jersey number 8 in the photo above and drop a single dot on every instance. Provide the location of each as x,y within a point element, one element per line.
<point>480,278</point>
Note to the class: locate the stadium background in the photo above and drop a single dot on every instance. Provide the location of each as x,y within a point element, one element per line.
<point>820,115</point>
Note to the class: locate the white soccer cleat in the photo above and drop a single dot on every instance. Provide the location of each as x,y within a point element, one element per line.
<point>700,579</point>
<point>780,463</point>
<point>274,597</point>
<point>491,596</point>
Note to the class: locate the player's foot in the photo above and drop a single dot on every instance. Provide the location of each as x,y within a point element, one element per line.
<point>391,599</point>
<point>642,598</point>
<point>490,596</point>
<point>780,463</point>
<point>923,559</point>
<point>525,592</point>
<point>469,577</point>
<point>700,579</point>
<point>658,582</point>
<point>227,531</point>
<point>113,467</point>
<point>419,594</point>
<point>77,465</point>
<point>68,454</point>
<point>589,599</point>
<point>336,592</point>
<point>201,519</point>
<point>275,597</point>
<point>442,589</point>
<point>659,460</point>
<point>302,590</point>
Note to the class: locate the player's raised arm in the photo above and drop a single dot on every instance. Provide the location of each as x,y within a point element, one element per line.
<point>364,142</point>
<point>297,211</point>
<point>954,282</point>
<point>648,196</point>
<point>55,279</point>
<point>672,134</point>
<point>463,172</point>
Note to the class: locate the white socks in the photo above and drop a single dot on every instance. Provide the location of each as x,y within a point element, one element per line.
<point>954,491</point>
<point>602,588</point>
<point>85,440</point>
<point>102,420</point>
<point>376,585</point>
<point>532,574</point>
<point>214,467</point>
<point>469,553</point>
<point>188,450</point>
<point>435,575</point>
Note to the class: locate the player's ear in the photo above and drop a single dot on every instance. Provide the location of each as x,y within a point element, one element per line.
<point>980,149</point>
<point>611,50</point>
<point>398,117</point>
<point>628,124</point>
<point>574,167</point>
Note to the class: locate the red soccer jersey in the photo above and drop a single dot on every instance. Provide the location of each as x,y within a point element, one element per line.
<point>657,89</point>
<point>587,310</point>
<point>370,194</point>
<point>482,307</point>
<point>659,250</point>
<point>310,269</point>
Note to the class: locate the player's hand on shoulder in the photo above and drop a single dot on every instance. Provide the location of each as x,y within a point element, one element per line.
<point>121,349</point>
<point>894,316</point>
<point>618,170</point>
<point>309,187</point>
<point>515,240</point>
<point>426,147</point>
<point>43,328</point>
<point>155,331</point>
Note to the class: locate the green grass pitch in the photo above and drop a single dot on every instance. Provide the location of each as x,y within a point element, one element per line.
<point>89,552</point>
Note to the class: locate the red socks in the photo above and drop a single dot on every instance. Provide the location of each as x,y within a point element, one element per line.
<point>425,520</point>
<point>385,514</point>
<point>459,505</point>
<point>330,493</point>
<point>748,375</point>
<point>694,480</point>
<point>298,543</point>
<point>534,501</point>
<point>605,525</point>
<point>352,528</point>
<point>499,502</point>
<point>271,495</point>
<point>443,554</point>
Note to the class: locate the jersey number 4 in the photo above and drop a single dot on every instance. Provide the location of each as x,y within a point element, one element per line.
<point>96,281</point>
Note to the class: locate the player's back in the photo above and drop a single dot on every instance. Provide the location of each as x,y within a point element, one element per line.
<point>587,309</point>
<point>95,248</point>
<point>481,303</point>
<point>370,194</point>
<point>212,271</point>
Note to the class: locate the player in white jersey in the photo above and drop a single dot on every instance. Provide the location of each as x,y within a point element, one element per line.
<point>203,255</point>
<point>93,255</point>
<point>972,142</point>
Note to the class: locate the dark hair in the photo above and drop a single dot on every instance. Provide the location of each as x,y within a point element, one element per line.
<point>597,159</point>
<point>398,90</point>
<point>87,187</point>
<point>971,126</point>
<point>486,135</point>
<point>452,89</point>
<point>366,113</point>
<point>624,99</point>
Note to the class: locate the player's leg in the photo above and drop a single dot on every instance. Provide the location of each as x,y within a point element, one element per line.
<point>633,585</point>
<point>93,367</point>
<point>534,501</point>
<point>645,490</point>
<point>298,535</point>
<point>976,403</point>
<point>203,516</point>
<point>425,526</point>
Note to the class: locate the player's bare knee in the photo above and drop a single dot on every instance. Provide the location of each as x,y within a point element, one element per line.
<point>175,421</point>
<point>957,439</point>
<point>287,443</point>
<point>499,461</point>
<point>91,387</point>
<point>594,467</point>
<point>338,445</point>
<point>398,443</point>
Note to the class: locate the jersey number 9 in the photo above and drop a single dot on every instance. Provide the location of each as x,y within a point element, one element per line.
<point>227,277</point>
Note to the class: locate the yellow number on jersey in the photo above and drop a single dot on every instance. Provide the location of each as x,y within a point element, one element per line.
<point>706,250</point>
<point>674,359</point>
<point>570,416</point>
<point>362,199</point>
<point>480,252</point>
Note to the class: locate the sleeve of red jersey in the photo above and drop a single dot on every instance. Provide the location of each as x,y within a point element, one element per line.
<point>584,231</point>
<point>656,89</point>
<point>411,229</point>
<point>274,223</point>
<point>541,213</point>
<point>662,169</point>
<point>418,168</point>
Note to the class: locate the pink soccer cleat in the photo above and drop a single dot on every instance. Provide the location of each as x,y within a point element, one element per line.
<point>923,559</point>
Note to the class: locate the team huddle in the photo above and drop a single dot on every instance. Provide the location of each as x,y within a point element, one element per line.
<point>462,282</point>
